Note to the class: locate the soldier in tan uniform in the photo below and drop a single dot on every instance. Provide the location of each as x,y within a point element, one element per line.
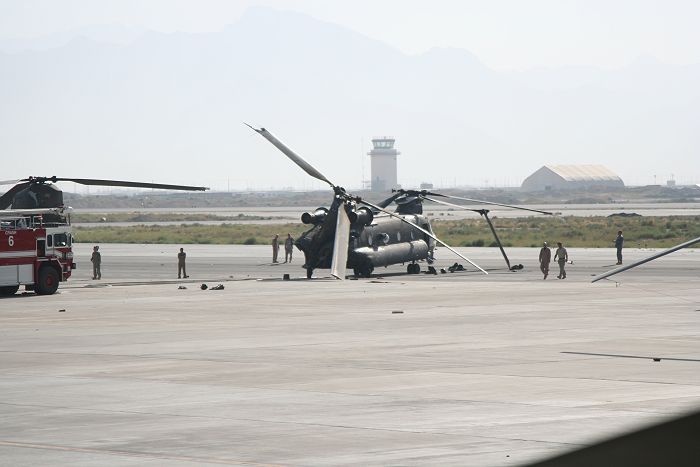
<point>288,248</point>
<point>96,259</point>
<point>563,258</point>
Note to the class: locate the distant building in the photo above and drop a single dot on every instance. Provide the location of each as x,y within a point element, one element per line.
<point>571,177</point>
<point>426,186</point>
<point>384,167</point>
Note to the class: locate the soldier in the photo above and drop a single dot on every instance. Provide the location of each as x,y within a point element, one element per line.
<point>618,245</point>
<point>96,259</point>
<point>181,264</point>
<point>288,248</point>
<point>275,247</point>
<point>563,258</point>
<point>545,259</point>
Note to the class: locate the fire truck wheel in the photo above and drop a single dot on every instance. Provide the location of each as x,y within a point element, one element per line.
<point>48,281</point>
<point>9,290</point>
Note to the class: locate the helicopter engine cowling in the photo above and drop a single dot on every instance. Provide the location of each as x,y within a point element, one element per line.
<point>362,216</point>
<point>38,196</point>
<point>318,216</point>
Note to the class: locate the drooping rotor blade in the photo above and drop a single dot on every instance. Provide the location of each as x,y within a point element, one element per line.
<point>429,234</point>
<point>6,199</point>
<point>479,201</point>
<point>340,245</point>
<point>160,186</point>
<point>484,213</point>
<point>458,206</point>
<point>308,168</point>
<point>646,260</point>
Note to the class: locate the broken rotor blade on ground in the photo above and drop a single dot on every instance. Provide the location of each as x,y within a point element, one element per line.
<point>646,260</point>
<point>428,233</point>
<point>340,244</point>
<point>308,168</point>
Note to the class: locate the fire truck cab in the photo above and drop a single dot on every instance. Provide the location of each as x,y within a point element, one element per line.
<point>35,250</point>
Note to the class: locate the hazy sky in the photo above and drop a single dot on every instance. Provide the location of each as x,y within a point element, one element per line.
<point>504,34</point>
<point>640,120</point>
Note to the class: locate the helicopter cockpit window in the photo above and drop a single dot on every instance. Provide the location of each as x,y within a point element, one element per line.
<point>61,239</point>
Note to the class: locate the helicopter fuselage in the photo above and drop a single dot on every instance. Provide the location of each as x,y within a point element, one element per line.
<point>378,240</point>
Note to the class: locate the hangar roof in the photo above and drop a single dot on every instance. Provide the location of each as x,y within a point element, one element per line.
<point>583,172</point>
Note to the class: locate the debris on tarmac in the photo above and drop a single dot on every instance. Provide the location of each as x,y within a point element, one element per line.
<point>182,287</point>
<point>62,310</point>
<point>203,287</point>
<point>396,312</point>
<point>218,287</point>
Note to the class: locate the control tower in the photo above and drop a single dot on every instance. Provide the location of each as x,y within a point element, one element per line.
<point>383,157</point>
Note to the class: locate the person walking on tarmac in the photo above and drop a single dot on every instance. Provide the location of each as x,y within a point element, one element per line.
<point>288,248</point>
<point>545,259</point>
<point>181,264</point>
<point>563,258</point>
<point>618,245</point>
<point>96,259</point>
<point>275,248</point>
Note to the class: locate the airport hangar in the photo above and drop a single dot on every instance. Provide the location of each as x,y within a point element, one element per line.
<point>571,177</point>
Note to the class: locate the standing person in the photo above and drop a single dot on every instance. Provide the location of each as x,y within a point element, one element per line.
<point>618,245</point>
<point>288,248</point>
<point>275,247</point>
<point>96,259</point>
<point>181,264</point>
<point>545,259</point>
<point>563,258</point>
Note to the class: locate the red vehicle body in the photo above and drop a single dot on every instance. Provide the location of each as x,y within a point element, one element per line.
<point>35,250</point>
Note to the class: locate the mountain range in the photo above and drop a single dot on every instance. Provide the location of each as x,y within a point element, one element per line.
<point>171,107</point>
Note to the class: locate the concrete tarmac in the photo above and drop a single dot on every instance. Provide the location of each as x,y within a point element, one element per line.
<point>451,370</point>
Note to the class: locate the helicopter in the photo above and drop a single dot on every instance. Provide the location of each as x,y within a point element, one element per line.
<point>355,233</point>
<point>35,234</point>
<point>42,193</point>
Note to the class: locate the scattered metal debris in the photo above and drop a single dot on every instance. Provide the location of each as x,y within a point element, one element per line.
<point>397,312</point>
<point>182,287</point>
<point>203,287</point>
<point>456,267</point>
<point>62,310</point>
<point>218,287</point>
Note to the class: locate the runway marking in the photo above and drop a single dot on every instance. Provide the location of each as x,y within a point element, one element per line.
<point>643,357</point>
<point>149,455</point>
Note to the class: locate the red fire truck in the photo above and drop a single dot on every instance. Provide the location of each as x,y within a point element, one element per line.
<point>35,250</point>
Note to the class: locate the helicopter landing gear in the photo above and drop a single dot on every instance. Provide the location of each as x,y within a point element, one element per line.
<point>309,273</point>
<point>413,268</point>
<point>363,271</point>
